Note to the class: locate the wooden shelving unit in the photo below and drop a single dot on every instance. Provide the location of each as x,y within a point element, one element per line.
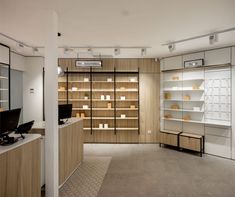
<point>108,102</point>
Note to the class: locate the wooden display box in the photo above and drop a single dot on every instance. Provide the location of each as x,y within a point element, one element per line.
<point>169,138</point>
<point>192,142</point>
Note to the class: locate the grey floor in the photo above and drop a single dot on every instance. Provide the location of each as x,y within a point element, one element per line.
<point>146,170</point>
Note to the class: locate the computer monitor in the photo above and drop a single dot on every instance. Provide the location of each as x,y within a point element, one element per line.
<point>9,120</point>
<point>65,112</point>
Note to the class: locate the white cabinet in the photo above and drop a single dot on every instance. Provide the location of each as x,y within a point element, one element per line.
<point>233,55</point>
<point>218,56</point>
<point>172,63</point>
<point>4,54</point>
<point>193,56</point>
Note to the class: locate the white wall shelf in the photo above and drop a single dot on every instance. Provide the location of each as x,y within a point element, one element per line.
<point>183,110</point>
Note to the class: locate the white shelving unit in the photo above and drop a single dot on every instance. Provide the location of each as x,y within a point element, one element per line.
<point>193,99</point>
<point>4,86</point>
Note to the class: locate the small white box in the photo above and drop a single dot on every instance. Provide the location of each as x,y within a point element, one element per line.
<point>123,98</point>
<point>86,97</point>
<point>196,108</point>
<point>107,97</point>
<point>101,126</point>
<point>85,106</point>
<point>109,80</point>
<point>132,80</point>
<point>86,79</point>
<point>102,97</point>
<point>74,88</point>
<point>123,115</point>
<point>106,126</point>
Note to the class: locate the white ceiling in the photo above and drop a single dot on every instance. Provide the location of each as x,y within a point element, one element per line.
<point>120,23</point>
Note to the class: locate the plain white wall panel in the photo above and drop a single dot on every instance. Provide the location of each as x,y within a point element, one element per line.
<point>193,56</point>
<point>17,62</point>
<point>4,54</point>
<point>220,146</point>
<point>172,63</point>
<point>33,89</point>
<point>218,56</point>
<point>233,56</point>
<point>221,132</point>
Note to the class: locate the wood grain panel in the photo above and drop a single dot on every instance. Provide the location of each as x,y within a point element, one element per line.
<point>126,64</point>
<point>149,98</point>
<point>190,143</point>
<point>127,136</point>
<point>147,65</point>
<point>105,137</point>
<point>70,149</point>
<point>20,171</point>
<point>149,107</point>
<point>169,139</point>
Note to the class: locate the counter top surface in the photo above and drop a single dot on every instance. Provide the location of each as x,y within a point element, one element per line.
<point>41,124</point>
<point>20,142</point>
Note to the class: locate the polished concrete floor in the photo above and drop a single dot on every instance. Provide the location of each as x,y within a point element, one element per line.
<point>139,170</point>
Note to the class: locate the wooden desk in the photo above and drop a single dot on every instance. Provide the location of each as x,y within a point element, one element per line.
<point>70,146</point>
<point>20,168</point>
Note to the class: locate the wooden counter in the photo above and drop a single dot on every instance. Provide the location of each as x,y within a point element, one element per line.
<point>20,168</point>
<point>70,146</point>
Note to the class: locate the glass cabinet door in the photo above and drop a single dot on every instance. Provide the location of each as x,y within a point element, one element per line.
<point>4,87</point>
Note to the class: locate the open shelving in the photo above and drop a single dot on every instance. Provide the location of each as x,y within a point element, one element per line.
<point>109,97</point>
<point>192,99</point>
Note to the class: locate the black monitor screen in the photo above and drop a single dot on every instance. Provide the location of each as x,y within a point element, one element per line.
<point>65,111</point>
<point>9,120</point>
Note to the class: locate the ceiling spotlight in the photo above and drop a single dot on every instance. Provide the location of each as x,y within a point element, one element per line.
<point>143,52</point>
<point>35,50</point>
<point>19,47</point>
<point>171,47</point>
<point>117,51</point>
<point>67,51</point>
<point>90,51</point>
<point>213,38</point>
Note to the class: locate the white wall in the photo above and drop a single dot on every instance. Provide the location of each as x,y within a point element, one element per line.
<point>17,62</point>
<point>33,89</point>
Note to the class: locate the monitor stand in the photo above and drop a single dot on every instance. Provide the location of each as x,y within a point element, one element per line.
<point>6,140</point>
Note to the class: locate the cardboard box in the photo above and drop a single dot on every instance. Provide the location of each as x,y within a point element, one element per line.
<point>132,106</point>
<point>109,105</point>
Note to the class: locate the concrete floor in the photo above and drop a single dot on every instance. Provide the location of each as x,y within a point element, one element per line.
<point>138,170</point>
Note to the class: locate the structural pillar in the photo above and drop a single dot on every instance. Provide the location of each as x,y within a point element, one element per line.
<point>51,106</point>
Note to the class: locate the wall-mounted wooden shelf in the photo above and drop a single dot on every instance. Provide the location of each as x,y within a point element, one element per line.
<point>124,84</point>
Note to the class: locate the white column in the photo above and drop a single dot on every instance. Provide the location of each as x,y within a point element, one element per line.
<point>51,107</point>
<point>233,103</point>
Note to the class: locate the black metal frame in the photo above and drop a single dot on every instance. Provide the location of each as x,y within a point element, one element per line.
<point>9,75</point>
<point>203,62</point>
<point>67,72</point>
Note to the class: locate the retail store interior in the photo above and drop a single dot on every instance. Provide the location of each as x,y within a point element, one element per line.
<point>117,98</point>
